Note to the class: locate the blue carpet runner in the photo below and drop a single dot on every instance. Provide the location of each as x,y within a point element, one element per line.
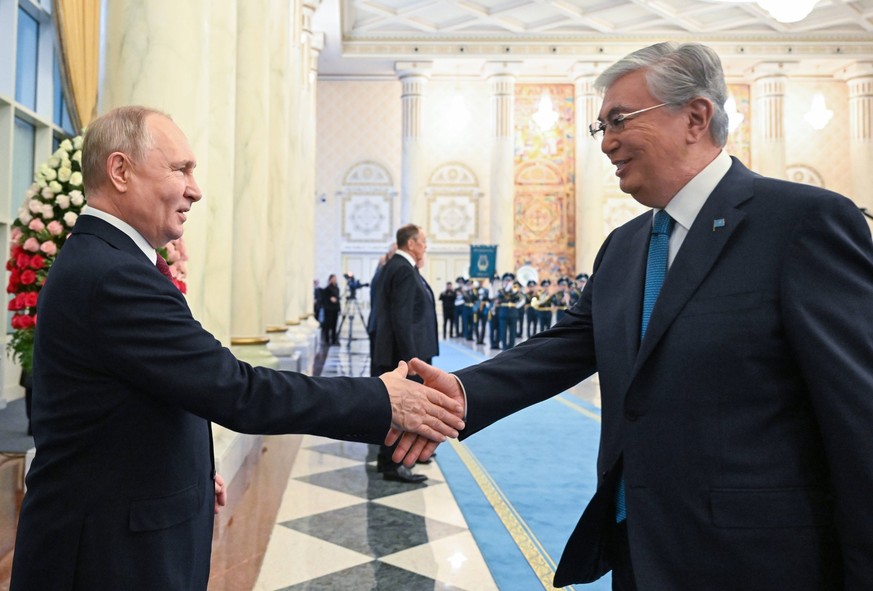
<point>523,482</point>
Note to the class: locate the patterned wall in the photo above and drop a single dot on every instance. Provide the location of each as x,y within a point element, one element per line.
<point>545,193</point>
<point>358,122</point>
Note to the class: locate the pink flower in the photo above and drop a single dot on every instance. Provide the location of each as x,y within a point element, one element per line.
<point>49,248</point>
<point>31,244</point>
<point>16,234</point>
<point>55,228</point>
<point>36,225</point>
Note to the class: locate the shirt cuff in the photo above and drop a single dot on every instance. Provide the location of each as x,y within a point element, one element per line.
<point>464,391</point>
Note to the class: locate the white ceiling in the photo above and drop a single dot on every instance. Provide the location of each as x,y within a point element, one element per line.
<point>546,39</point>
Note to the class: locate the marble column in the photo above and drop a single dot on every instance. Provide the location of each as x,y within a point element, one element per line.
<point>297,250</point>
<point>143,51</point>
<point>279,189</point>
<point>251,185</point>
<point>859,77</point>
<point>413,202</point>
<point>590,170</point>
<point>501,202</point>
<point>213,294</point>
<point>311,45</point>
<point>768,149</point>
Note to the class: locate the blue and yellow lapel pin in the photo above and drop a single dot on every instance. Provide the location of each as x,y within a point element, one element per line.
<point>716,224</point>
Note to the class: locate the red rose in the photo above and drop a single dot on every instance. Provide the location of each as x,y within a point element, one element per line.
<point>28,277</point>
<point>22,261</point>
<point>27,321</point>
<point>30,298</point>
<point>16,321</point>
<point>37,262</point>
<point>14,281</point>
<point>180,285</point>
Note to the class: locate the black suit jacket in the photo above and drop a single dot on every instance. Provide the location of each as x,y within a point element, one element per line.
<point>743,421</point>
<point>406,325</point>
<point>120,494</point>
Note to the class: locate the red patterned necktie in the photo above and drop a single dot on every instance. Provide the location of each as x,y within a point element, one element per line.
<point>164,268</point>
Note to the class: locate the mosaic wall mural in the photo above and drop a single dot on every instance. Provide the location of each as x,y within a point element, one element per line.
<point>545,161</point>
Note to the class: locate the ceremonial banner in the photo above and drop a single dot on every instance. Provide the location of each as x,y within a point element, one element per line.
<point>483,261</point>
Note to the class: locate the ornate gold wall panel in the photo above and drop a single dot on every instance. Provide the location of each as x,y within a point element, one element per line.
<point>545,193</point>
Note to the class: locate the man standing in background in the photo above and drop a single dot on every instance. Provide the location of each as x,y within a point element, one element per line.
<point>406,325</point>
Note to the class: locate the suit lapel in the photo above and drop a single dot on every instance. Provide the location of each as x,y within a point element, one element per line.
<point>702,246</point>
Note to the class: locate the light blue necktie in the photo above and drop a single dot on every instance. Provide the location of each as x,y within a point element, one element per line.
<point>656,270</point>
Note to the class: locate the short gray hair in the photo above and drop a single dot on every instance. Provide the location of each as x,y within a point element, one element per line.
<point>120,130</point>
<point>676,75</point>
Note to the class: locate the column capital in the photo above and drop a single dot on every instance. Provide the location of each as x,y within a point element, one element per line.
<point>855,70</point>
<point>413,69</point>
<point>582,71</point>
<point>763,70</point>
<point>509,69</point>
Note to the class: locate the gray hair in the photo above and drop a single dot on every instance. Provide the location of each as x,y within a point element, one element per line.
<point>120,130</point>
<point>677,74</point>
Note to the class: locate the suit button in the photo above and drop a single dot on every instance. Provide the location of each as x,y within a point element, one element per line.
<point>630,415</point>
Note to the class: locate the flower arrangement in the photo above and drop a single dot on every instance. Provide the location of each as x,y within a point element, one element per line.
<point>51,207</point>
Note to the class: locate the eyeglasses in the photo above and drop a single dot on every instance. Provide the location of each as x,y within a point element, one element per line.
<point>616,123</point>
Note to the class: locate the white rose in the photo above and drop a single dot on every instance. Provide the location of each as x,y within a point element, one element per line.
<point>76,179</point>
<point>63,201</point>
<point>54,161</point>
<point>66,163</point>
<point>55,187</point>
<point>48,211</point>
<point>34,205</point>
<point>31,192</point>
<point>67,145</point>
<point>70,219</point>
<point>77,157</point>
<point>76,198</point>
<point>40,182</point>
<point>77,142</point>
<point>60,153</point>
<point>50,174</point>
<point>64,174</point>
<point>24,217</point>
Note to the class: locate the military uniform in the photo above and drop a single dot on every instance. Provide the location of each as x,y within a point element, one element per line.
<point>510,300</point>
<point>542,303</point>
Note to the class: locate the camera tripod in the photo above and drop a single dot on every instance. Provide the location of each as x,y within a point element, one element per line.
<point>351,306</point>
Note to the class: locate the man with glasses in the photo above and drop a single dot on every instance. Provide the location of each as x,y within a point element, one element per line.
<point>736,382</point>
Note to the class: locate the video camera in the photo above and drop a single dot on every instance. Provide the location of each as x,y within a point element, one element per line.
<point>352,285</point>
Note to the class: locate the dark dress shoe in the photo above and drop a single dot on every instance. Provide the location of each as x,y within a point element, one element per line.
<point>403,474</point>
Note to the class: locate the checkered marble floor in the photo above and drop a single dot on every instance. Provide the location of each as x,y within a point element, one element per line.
<point>340,526</point>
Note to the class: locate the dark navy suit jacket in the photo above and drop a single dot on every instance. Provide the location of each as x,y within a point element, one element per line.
<point>406,325</point>
<point>743,421</point>
<point>120,494</point>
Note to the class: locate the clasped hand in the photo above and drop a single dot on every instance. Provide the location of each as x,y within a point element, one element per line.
<point>422,416</point>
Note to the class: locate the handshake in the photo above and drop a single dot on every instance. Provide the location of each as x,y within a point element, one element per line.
<point>422,416</point>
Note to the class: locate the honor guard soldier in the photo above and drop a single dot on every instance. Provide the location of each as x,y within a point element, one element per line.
<point>459,305</point>
<point>494,318</point>
<point>519,325</point>
<point>542,303</point>
<point>511,300</point>
<point>530,312</point>
<point>481,307</point>
<point>560,299</point>
<point>469,309</point>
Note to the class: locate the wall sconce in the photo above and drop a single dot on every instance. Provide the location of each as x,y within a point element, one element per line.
<point>818,115</point>
<point>546,116</point>
<point>459,114</point>
<point>735,118</point>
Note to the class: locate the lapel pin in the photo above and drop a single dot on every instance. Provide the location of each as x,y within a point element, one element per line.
<point>719,223</point>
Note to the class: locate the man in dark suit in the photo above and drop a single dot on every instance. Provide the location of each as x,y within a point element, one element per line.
<point>406,325</point>
<point>737,397</point>
<point>122,490</point>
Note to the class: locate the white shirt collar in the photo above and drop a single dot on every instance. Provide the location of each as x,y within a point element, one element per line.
<point>688,202</point>
<point>407,256</point>
<point>137,238</point>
